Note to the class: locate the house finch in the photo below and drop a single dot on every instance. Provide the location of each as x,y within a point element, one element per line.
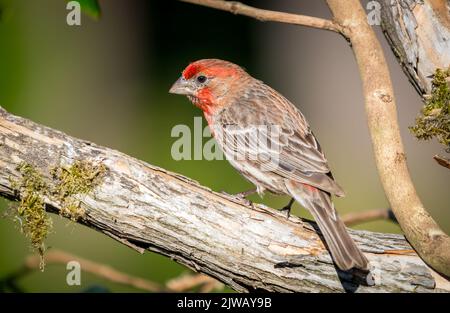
<point>267,139</point>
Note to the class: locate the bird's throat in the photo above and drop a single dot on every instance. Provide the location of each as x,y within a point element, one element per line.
<point>204,100</point>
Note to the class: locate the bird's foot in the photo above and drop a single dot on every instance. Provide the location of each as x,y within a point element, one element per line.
<point>287,208</point>
<point>241,196</point>
<point>287,211</point>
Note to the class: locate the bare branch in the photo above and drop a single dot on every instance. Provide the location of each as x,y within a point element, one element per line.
<point>33,263</point>
<point>367,216</point>
<point>246,247</point>
<point>183,283</point>
<point>188,282</point>
<point>417,32</point>
<point>442,161</point>
<point>267,15</point>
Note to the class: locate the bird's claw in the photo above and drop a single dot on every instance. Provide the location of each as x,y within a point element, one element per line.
<point>240,197</point>
<point>248,202</point>
<point>286,210</point>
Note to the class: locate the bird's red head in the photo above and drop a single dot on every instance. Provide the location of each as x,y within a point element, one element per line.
<point>208,83</point>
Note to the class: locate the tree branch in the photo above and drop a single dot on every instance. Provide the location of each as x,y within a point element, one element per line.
<point>246,247</point>
<point>417,32</point>
<point>32,263</point>
<point>267,15</point>
<point>442,161</point>
<point>367,216</point>
<point>184,283</point>
<point>188,282</point>
<point>424,234</point>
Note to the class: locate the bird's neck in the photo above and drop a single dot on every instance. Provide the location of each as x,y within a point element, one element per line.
<point>210,119</point>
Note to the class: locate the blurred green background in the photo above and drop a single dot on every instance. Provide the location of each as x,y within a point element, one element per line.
<point>106,81</point>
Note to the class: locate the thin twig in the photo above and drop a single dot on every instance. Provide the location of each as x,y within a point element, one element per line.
<point>182,283</point>
<point>188,282</point>
<point>368,216</point>
<point>442,161</point>
<point>107,272</point>
<point>179,284</point>
<point>268,15</point>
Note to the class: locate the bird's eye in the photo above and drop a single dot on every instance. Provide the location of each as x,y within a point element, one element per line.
<point>201,79</point>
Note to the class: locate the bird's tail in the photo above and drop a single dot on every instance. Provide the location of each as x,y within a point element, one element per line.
<point>343,249</point>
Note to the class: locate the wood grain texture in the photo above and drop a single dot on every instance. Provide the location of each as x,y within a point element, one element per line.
<point>418,32</point>
<point>248,248</point>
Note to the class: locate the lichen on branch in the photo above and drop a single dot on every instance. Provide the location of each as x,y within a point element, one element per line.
<point>66,183</point>
<point>435,115</point>
<point>35,223</point>
<point>79,178</point>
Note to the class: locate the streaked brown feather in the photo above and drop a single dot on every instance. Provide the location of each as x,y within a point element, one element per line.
<point>300,157</point>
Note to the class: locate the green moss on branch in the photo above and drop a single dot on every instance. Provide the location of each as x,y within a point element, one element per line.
<point>80,178</point>
<point>435,118</point>
<point>35,222</point>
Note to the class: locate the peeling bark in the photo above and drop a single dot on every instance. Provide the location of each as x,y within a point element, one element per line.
<point>418,32</point>
<point>248,248</point>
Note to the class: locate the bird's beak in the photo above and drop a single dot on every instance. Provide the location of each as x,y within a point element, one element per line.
<point>182,87</point>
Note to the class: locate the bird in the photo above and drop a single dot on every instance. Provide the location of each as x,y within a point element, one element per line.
<point>268,140</point>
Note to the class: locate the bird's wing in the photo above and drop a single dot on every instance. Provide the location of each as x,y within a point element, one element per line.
<point>267,129</point>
